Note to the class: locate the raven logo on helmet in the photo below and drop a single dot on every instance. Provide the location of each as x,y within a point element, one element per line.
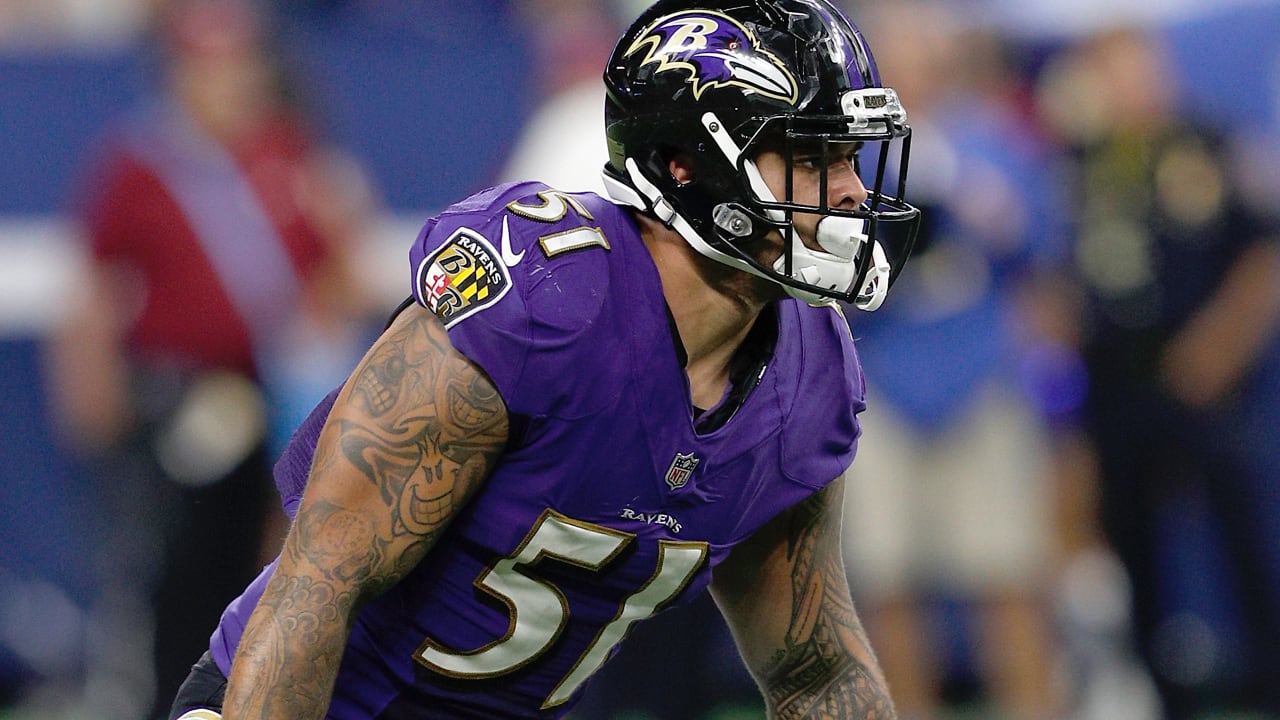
<point>715,50</point>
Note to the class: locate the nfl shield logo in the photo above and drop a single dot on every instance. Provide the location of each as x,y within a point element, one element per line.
<point>680,471</point>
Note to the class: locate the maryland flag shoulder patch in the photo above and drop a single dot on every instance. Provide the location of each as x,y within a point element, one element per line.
<point>463,277</point>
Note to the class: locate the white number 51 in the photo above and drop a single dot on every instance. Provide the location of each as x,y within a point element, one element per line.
<point>539,611</point>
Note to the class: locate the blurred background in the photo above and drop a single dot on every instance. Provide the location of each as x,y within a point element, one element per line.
<point>205,207</point>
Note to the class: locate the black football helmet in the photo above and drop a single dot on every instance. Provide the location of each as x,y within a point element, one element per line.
<point>722,80</point>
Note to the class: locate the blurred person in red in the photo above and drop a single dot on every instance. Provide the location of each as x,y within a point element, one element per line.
<point>214,225</point>
<point>1181,338</point>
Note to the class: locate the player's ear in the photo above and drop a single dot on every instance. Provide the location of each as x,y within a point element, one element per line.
<point>681,168</point>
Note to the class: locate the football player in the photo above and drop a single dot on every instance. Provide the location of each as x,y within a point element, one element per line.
<point>592,409</point>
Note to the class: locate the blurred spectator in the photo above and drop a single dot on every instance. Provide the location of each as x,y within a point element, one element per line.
<point>949,532</point>
<point>1182,347</point>
<point>218,233</point>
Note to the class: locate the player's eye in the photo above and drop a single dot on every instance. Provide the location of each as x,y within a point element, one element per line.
<point>813,158</point>
<point>808,162</point>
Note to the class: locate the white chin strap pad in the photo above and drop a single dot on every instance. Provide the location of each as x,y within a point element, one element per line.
<point>842,239</point>
<point>834,267</point>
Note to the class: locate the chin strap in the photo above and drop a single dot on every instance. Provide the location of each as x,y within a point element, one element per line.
<point>876,285</point>
<point>845,240</point>
<point>836,269</point>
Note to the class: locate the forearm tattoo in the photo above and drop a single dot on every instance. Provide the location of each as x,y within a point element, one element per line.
<point>424,428</point>
<point>816,674</point>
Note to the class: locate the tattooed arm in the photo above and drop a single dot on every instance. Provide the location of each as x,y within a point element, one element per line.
<point>786,599</point>
<point>413,433</point>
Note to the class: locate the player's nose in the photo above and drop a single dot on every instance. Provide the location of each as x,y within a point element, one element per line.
<point>844,187</point>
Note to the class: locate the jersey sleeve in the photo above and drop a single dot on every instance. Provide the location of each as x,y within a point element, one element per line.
<point>518,310</point>
<point>821,431</point>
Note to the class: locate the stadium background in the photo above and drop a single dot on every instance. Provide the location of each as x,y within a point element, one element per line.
<point>430,95</point>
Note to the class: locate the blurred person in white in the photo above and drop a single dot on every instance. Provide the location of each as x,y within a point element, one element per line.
<point>563,143</point>
<point>217,233</point>
<point>950,504</point>
<point>1181,337</point>
<point>57,24</point>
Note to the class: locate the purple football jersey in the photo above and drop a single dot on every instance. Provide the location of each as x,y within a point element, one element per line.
<point>608,505</point>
